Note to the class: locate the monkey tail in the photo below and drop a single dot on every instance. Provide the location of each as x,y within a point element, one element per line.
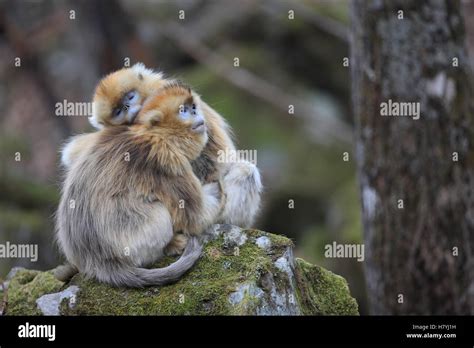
<point>139,277</point>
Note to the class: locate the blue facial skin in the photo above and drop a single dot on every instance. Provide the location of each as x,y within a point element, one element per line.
<point>128,109</point>
<point>190,112</point>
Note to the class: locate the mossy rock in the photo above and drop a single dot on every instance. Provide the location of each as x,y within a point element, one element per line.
<point>241,272</point>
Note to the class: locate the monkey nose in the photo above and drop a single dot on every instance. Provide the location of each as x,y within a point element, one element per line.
<point>133,112</point>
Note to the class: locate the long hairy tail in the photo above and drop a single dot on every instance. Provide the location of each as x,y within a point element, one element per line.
<point>135,277</point>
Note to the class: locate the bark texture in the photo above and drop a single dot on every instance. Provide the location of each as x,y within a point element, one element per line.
<point>419,257</point>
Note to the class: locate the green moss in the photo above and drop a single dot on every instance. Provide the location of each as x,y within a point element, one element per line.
<point>204,291</point>
<point>323,292</point>
<point>248,271</point>
<point>27,286</point>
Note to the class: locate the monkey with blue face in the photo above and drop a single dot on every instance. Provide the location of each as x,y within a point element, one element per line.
<point>117,100</point>
<point>129,213</point>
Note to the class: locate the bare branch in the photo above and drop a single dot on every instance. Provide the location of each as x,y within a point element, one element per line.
<point>326,24</point>
<point>328,130</point>
<point>217,16</point>
<point>23,44</point>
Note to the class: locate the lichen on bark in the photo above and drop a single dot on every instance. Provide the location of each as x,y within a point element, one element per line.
<point>413,51</point>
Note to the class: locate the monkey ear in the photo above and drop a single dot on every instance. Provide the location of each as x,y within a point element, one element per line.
<point>189,100</point>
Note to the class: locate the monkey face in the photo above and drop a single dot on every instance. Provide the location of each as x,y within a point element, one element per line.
<point>127,108</point>
<point>176,112</point>
<point>174,107</point>
<point>119,96</point>
<point>191,114</point>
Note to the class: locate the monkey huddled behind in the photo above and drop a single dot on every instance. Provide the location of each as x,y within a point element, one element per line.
<point>134,188</point>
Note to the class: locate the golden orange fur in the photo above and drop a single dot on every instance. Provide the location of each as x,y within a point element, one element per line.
<point>240,181</point>
<point>135,189</point>
<point>109,94</point>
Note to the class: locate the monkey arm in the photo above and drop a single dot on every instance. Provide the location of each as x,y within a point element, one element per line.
<point>213,203</point>
<point>211,206</point>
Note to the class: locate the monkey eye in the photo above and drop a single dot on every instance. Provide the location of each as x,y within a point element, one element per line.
<point>117,111</point>
<point>184,111</point>
<point>130,96</point>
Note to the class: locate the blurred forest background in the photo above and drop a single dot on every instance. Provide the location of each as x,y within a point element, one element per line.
<point>282,62</point>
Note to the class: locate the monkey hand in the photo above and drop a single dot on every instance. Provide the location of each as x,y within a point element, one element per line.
<point>177,245</point>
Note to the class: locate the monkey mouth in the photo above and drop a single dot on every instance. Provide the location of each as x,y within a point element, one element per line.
<point>199,127</point>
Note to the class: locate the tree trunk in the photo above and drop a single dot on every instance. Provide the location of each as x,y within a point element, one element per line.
<point>417,196</point>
